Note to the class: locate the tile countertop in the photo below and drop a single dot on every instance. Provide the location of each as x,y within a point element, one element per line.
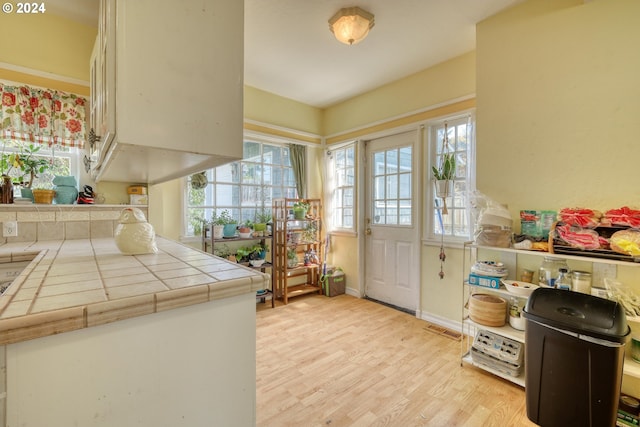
<point>75,284</point>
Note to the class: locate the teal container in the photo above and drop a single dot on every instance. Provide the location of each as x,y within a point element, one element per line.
<point>66,190</point>
<point>26,193</point>
<point>229,230</point>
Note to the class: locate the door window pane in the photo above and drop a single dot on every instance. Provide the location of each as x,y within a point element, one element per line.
<point>392,186</point>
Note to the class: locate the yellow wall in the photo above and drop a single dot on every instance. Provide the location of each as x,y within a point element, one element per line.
<point>47,43</point>
<point>436,85</point>
<point>265,107</point>
<point>557,115</point>
<point>558,105</point>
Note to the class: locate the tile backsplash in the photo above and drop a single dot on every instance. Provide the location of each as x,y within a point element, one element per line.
<point>62,222</point>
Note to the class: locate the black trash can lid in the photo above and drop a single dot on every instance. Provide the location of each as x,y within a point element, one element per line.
<point>579,313</point>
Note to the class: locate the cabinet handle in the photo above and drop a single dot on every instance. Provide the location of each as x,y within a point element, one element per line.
<point>93,138</point>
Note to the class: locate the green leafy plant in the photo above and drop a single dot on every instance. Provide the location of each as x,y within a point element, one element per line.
<point>447,170</point>
<point>196,219</point>
<point>224,218</point>
<point>222,251</point>
<point>292,257</point>
<point>31,165</point>
<point>301,206</point>
<point>309,233</point>
<point>263,216</point>
<point>248,253</point>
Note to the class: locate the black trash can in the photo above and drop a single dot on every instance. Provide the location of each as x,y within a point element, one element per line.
<point>574,356</point>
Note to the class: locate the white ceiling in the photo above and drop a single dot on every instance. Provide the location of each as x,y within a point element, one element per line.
<point>289,50</point>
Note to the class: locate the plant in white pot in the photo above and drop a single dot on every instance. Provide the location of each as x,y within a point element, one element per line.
<point>444,175</point>
<point>218,226</point>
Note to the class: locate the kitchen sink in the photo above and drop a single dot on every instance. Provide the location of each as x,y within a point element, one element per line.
<point>9,271</point>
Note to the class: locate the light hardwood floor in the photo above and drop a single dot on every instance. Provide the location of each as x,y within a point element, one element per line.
<point>345,361</point>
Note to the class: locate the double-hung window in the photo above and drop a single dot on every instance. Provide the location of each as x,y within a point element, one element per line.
<point>450,218</point>
<point>243,188</point>
<point>341,176</point>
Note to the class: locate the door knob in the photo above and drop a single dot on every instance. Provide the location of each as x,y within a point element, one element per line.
<point>367,231</point>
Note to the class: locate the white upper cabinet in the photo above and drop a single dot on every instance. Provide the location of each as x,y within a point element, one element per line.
<point>169,88</point>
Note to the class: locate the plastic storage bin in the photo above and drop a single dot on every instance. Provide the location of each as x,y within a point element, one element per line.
<point>574,356</point>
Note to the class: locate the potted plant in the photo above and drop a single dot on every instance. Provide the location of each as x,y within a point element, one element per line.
<point>244,229</point>
<point>300,209</point>
<point>30,167</point>
<point>444,175</point>
<point>263,217</point>
<point>217,224</point>
<point>228,222</point>
<point>257,252</point>
<point>309,234</point>
<point>7,162</point>
<point>292,257</point>
<point>222,251</point>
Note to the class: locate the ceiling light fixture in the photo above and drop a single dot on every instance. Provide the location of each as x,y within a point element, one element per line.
<point>351,25</point>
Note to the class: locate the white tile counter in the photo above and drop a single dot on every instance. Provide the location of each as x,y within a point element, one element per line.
<point>76,284</point>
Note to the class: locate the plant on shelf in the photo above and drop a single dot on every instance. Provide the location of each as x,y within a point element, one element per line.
<point>292,257</point>
<point>224,218</point>
<point>228,222</point>
<point>216,225</point>
<point>245,227</point>
<point>300,209</point>
<point>251,253</point>
<point>222,251</point>
<point>263,217</point>
<point>309,233</point>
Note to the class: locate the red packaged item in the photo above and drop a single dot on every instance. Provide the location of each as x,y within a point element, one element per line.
<point>624,216</point>
<point>585,218</point>
<point>577,237</point>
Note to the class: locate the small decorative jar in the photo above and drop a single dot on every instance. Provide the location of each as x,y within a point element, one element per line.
<point>66,190</point>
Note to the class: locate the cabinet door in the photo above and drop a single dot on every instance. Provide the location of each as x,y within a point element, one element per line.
<point>94,101</point>
<point>180,75</point>
<point>106,123</point>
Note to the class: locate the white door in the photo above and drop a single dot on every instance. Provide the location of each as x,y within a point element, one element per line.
<point>392,238</point>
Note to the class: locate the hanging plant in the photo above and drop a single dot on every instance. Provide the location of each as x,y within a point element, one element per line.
<point>444,176</point>
<point>447,169</point>
<point>199,180</point>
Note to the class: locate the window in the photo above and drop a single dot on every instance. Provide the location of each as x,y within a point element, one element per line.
<point>243,188</point>
<point>53,161</point>
<point>341,175</point>
<point>392,186</point>
<point>455,224</point>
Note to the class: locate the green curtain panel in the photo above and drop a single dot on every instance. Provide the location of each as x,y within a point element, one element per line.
<point>298,156</point>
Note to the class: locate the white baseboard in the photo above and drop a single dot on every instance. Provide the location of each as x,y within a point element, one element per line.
<point>352,292</point>
<point>441,321</point>
<point>428,317</point>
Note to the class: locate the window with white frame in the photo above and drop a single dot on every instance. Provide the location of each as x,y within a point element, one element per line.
<point>451,217</point>
<point>18,158</point>
<point>244,188</point>
<point>341,176</point>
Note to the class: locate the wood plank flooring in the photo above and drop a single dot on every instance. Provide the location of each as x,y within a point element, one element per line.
<point>345,361</point>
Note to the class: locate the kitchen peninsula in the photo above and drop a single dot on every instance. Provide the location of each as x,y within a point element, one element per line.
<point>92,337</point>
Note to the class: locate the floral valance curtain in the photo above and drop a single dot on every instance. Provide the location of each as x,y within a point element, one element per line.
<point>42,116</point>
